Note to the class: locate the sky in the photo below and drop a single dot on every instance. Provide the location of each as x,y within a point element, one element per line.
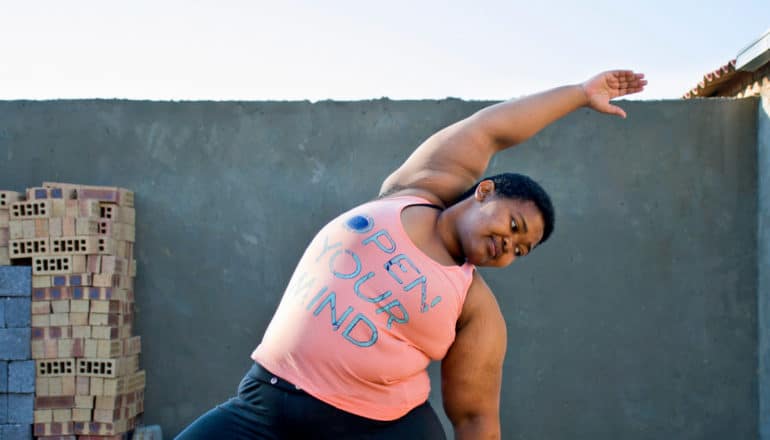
<point>357,50</point>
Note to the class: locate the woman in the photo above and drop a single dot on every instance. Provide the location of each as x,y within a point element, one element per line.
<point>390,285</point>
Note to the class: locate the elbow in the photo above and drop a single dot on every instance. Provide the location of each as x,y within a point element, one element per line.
<point>477,427</point>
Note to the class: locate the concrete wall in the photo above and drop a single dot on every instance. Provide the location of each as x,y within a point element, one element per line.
<point>763,262</point>
<point>638,319</point>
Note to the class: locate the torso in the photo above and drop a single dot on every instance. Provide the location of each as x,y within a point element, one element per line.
<point>367,309</point>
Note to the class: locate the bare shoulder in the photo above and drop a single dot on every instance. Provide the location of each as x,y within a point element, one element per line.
<point>480,302</point>
<point>398,191</point>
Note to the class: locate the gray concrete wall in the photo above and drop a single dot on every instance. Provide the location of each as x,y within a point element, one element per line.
<point>763,262</point>
<point>638,320</point>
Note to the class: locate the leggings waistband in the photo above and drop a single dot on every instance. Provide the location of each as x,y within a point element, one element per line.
<point>261,374</point>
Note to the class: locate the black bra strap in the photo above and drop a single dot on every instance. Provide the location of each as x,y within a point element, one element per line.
<point>429,205</point>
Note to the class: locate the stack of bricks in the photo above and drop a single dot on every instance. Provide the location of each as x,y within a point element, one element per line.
<point>79,241</point>
<point>17,370</point>
<point>6,198</point>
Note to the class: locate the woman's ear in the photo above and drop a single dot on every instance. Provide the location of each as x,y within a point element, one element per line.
<point>484,189</point>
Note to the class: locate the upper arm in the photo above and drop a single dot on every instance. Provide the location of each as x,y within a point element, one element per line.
<point>446,164</point>
<point>471,372</point>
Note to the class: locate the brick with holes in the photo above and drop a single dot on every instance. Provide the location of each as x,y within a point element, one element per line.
<point>52,265</point>
<point>55,367</point>
<point>78,245</point>
<point>30,209</point>
<point>107,367</point>
<point>7,198</point>
<point>28,247</point>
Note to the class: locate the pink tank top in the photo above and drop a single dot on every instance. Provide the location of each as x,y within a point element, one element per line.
<point>364,314</point>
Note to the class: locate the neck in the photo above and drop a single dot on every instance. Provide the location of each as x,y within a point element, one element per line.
<point>446,226</point>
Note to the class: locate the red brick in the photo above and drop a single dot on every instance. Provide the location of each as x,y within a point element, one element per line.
<point>51,402</point>
<point>53,428</point>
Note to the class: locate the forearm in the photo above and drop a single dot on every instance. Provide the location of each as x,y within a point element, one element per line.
<point>512,122</point>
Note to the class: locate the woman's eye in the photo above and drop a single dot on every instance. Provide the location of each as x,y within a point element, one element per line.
<point>514,226</point>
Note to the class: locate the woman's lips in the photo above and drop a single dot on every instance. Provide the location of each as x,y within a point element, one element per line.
<point>492,248</point>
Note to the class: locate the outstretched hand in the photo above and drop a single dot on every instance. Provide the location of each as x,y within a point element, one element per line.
<point>612,84</point>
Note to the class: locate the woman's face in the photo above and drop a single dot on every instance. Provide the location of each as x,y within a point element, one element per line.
<point>497,230</point>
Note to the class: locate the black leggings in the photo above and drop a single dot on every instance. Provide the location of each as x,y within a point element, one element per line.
<point>268,407</point>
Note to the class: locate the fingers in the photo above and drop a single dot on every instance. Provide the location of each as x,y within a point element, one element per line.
<point>627,82</point>
<point>615,110</point>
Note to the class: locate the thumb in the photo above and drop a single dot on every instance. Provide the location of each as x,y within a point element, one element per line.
<point>615,110</point>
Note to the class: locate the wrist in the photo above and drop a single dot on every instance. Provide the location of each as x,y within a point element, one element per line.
<point>584,99</point>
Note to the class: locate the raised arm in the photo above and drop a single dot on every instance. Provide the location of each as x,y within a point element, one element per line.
<point>454,158</point>
<point>471,372</point>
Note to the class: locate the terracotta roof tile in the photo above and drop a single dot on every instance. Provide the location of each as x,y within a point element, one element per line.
<point>711,81</point>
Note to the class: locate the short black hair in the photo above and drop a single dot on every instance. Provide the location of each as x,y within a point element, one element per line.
<point>519,186</point>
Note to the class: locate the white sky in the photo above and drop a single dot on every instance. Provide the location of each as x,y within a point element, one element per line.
<point>343,50</point>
